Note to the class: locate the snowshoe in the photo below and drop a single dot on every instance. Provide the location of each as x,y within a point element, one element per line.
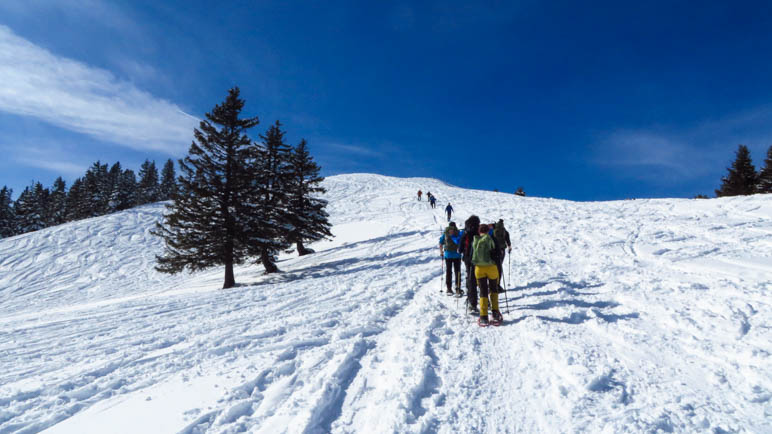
<point>483,321</point>
<point>449,292</point>
<point>473,310</point>
<point>497,318</point>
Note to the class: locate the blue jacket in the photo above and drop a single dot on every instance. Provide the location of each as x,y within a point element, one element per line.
<point>449,254</point>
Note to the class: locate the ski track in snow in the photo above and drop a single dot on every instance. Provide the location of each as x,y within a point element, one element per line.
<point>626,316</point>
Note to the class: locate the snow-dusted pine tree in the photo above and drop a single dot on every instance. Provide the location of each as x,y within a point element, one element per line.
<point>124,191</point>
<point>205,223</point>
<point>78,203</point>
<point>95,191</point>
<point>168,186</point>
<point>765,176</point>
<point>57,204</point>
<point>30,209</point>
<point>269,222</point>
<point>148,190</point>
<point>742,176</point>
<point>307,215</point>
<point>7,216</point>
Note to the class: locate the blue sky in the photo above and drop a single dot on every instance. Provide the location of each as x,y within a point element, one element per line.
<point>586,103</point>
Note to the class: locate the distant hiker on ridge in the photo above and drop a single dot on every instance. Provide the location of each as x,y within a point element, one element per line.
<point>419,195</point>
<point>449,210</point>
<point>449,249</point>
<point>432,199</point>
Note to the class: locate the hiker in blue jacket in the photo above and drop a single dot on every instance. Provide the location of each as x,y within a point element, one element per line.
<point>449,210</point>
<point>449,242</point>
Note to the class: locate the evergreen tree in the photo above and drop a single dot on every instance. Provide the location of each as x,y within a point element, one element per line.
<point>78,207</point>
<point>168,182</point>
<point>57,205</point>
<point>115,175</point>
<point>765,176</point>
<point>205,225</point>
<point>307,215</point>
<point>270,223</point>
<point>96,190</point>
<point>742,176</point>
<point>124,191</point>
<point>7,215</point>
<point>148,189</point>
<point>30,209</point>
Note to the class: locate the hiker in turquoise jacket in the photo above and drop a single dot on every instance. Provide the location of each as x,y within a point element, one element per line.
<point>449,249</point>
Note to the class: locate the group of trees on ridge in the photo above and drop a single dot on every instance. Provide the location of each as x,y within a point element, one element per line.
<point>236,199</point>
<point>742,178</point>
<point>100,191</point>
<point>240,199</point>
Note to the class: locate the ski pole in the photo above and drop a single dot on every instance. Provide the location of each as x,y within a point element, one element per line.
<point>506,295</point>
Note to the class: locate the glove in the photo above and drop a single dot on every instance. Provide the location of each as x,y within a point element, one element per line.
<point>509,250</point>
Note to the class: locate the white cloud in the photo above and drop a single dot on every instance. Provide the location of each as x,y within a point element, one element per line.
<point>88,100</point>
<point>684,153</point>
<point>56,166</point>
<point>354,149</point>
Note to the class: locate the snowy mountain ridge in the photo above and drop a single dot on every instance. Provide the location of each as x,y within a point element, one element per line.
<point>625,316</point>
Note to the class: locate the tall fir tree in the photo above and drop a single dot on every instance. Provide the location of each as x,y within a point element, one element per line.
<point>124,191</point>
<point>148,189</point>
<point>742,176</point>
<point>115,174</point>
<point>270,222</point>
<point>308,216</point>
<point>30,209</point>
<point>168,186</point>
<point>765,176</point>
<point>57,204</point>
<point>78,205</point>
<point>205,225</point>
<point>95,190</point>
<point>7,215</point>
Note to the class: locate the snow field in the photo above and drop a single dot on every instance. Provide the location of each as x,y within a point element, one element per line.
<point>628,316</point>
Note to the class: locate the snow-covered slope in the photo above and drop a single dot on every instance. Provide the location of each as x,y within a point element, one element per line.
<point>636,316</point>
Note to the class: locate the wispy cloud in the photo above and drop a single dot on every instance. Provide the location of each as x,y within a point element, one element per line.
<point>44,154</point>
<point>685,153</point>
<point>88,100</point>
<point>354,149</point>
<point>57,166</point>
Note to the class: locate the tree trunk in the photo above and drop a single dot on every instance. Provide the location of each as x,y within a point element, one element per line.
<point>302,250</point>
<point>230,281</point>
<point>268,264</point>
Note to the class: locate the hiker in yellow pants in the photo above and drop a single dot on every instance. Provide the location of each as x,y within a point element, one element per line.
<point>487,274</point>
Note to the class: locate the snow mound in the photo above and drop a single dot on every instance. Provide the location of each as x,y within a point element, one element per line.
<point>625,316</point>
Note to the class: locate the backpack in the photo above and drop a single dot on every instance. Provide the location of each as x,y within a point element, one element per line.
<point>499,233</point>
<point>471,225</point>
<point>451,244</point>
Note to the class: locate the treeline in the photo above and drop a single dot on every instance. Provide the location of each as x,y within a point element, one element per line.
<point>240,199</point>
<point>743,179</point>
<point>100,191</point>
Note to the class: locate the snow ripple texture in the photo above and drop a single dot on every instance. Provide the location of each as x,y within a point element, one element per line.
<point>625,316</point>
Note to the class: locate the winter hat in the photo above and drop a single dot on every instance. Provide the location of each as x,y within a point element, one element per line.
<point>483,229</point>
<point>452,224</point>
